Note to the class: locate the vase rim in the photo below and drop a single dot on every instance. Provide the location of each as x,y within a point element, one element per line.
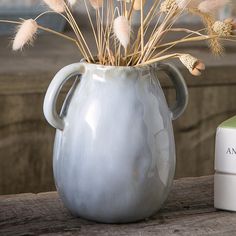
<point>137,68</point>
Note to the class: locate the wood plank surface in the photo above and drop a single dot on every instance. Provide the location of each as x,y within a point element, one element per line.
<point>188,211</point>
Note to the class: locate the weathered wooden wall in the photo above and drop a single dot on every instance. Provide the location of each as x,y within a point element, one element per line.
<point>195,131</point>
<point>26,140</point>
<point>212,99</point>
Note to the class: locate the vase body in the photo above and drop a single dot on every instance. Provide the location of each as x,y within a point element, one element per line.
<point>114,159</point>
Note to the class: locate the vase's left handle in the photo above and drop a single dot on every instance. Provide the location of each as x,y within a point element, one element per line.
<point>49,105</point>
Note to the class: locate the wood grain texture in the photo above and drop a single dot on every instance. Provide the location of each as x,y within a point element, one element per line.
<point>26,144</point>
<point>195,130</point>
<point>188,211</point>
<point>26,140</point>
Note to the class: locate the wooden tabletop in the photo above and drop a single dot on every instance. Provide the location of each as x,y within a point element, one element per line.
<point>188,211</point>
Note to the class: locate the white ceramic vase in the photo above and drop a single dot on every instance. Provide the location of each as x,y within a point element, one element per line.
<point>114,151</point>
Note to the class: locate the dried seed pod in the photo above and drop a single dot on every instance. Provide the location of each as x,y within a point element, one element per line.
<point>198,67</point>
<point>194,65</point>
<point>223,28</point>
<point>137,4</point>
<point>234,26</point>
<point>25,34</point>
<point>168,5</point>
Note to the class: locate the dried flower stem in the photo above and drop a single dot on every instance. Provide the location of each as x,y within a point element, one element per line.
<point>142,27</point>
<point>91,23</point>
<point>79,34</point>
<point>55,32</point>
<point>174,55</point>
<point>146,23</point>
<point>169,24</point>
<point>174,43</point>
<point>42,28</point>
<point>131,9</point>
<point>149,46</point>
<point>183,40</point>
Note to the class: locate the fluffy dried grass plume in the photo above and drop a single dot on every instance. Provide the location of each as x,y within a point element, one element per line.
<point>25,34</point>
<point>194,65</point>
<point>211,5</point>
<point>56,5</point>
<point>96,4</point>
<point>72,2</point>
<point>122,30</point>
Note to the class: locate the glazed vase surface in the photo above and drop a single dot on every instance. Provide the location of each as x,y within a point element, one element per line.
<point>114,150</point>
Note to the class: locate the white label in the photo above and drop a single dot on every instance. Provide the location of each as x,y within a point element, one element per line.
<point>225,150</point>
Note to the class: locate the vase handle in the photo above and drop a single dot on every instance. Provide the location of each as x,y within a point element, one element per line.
<point>49,105</point>
<point>177,79</point>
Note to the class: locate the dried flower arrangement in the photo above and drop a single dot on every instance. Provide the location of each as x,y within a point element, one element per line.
<point>114,37</point>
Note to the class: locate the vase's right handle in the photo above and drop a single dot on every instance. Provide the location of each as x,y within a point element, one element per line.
<point>181,89</point>
<point>50,100</point>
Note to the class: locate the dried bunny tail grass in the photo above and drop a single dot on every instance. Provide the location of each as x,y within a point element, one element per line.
<point>25,34</point>
<point>72,2</point>
<point>56,5</point>
<point>122,30</point>
<point>194,65</point>
<point>211,5</point>
<point>96,4</point>
<point>208,21</point>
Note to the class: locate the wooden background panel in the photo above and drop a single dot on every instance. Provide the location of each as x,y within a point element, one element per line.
<point>25,145</point>
<point>195,130</point>
<point>26,142</point>
<point>26,165</point>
